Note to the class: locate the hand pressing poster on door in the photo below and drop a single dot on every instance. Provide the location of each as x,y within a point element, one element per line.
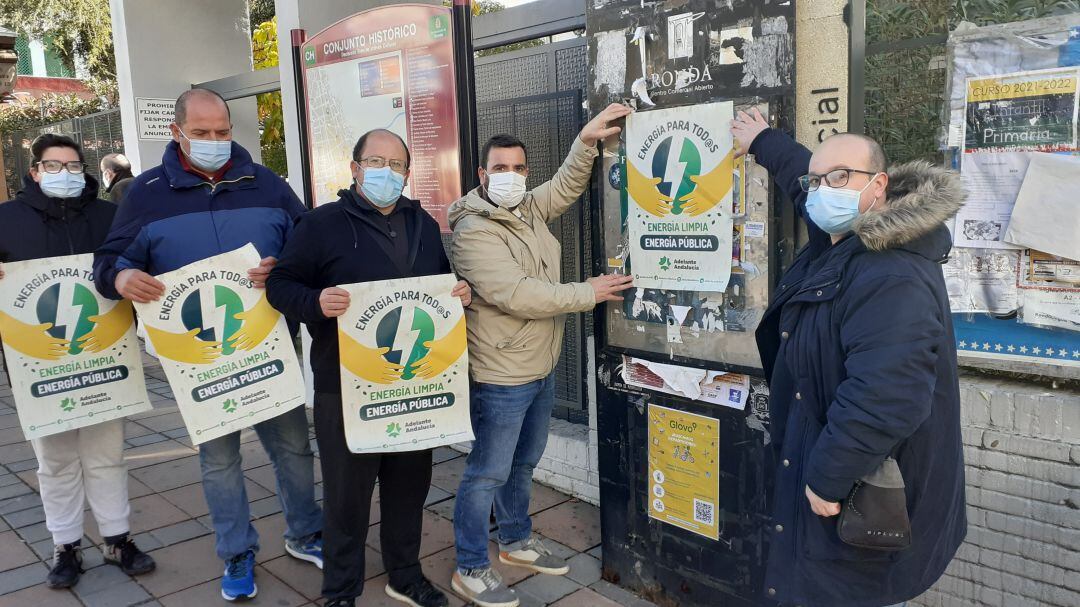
<point>679,175</point>
<point>227,353</point>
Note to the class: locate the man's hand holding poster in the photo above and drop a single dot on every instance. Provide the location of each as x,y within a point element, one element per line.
<point>72,355</point>
<point>404,365</point>
<point>228,354</point>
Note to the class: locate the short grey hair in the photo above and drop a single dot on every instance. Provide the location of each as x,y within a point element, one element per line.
<point>185,97</point>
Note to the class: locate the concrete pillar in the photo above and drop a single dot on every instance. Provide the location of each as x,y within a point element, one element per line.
<point>163,47</point>
<point>821,70</point>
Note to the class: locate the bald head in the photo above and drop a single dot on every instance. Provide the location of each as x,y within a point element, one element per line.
<point>855,150</point>
<point>203,102</point>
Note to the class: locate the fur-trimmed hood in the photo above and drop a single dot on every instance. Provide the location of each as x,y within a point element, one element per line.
<point>921,197</point>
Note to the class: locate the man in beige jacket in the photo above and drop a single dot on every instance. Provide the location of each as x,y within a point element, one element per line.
<point>504,250</point>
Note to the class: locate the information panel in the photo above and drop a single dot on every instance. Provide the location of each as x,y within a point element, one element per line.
<point>684,485</point>
<point>386,68</point>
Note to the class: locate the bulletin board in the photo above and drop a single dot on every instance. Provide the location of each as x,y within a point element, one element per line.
<point>1011,131</point>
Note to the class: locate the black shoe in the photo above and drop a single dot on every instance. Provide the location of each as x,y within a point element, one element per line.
<point>127,556</point>
<point>67,565</point>
<point>420,593</point>
<point>341,603</point>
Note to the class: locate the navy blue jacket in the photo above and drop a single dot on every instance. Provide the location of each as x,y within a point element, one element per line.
<point>858,348</point>
<point>171,217</point>
<point>342,243</point>
<point>35,226</point>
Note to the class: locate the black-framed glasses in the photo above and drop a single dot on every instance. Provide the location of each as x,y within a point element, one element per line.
<point>836,178</point>
<point>55,166</point>
<point>378,162</point>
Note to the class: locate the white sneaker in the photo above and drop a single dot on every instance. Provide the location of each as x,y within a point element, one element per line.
<point>484,587</point>
<point>533,554</point>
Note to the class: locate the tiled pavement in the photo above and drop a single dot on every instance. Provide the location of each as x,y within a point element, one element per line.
<point>169,519</point>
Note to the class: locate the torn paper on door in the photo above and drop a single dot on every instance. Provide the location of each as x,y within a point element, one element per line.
<point>717,387</point>
<point>982,280</point>
<point>992,182</point>
<point>1047,211</point>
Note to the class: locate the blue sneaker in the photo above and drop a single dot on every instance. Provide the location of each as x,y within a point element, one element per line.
<point>238,582</point>
<point>306,548</point>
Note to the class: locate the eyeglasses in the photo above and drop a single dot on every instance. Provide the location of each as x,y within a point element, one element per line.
<point>378,162</point>
<point>55,166</point>
<point>836,178</point>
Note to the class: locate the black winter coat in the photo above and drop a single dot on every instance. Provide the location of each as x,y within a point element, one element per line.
<point>859,351</point>
<point>34,226</point>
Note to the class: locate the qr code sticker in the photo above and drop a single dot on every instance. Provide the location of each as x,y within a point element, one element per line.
<point>703,512</point>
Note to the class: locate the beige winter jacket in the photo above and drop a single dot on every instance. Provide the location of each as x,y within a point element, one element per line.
<point>515,322</point>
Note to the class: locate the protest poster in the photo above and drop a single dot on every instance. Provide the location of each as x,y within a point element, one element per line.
<point>71,354</point>
<point>226,352</point>
<point>679,178</point>
<point>404,365</point>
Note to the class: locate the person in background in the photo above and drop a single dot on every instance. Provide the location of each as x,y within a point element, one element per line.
<point>115,171</point>
<point>58,213</point>
<point>859,352</point>
<point>503,248</point>
<point>207,198</point>
<point>371,233</point>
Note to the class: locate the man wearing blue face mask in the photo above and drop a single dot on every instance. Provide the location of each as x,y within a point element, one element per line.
<point>58,213</point>
<point>373,232</point>
<point>208,198</point>
<point>859,351</point>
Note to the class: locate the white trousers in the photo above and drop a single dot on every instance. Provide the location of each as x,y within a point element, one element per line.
<point>82,465</point>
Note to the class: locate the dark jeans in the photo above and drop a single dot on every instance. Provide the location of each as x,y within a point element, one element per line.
<point>348,480</point>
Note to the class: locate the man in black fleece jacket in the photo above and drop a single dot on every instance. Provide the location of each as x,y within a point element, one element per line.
<point>371,233</point>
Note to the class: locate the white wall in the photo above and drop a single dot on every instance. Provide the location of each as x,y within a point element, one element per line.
<point>163,47</point>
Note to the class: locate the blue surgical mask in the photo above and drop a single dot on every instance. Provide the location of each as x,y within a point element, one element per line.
<point>62,184</point>
<point>835,209</point>
<point>208,155</point>
<point>382,187</point>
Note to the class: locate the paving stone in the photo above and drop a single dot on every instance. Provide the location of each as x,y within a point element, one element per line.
<point>437,534</point>
<point>146,542</point>
<point>548,588</point>
<point>298,575</point>
<point>574,523</point>
<point>170,474</point>
<point>597,552</point>
<point>444,508</point>
<point>162,423</point>
<point>25,517</point>
<point>147,439</point>
<point>29,464</point>
<point>265,507</point>
<point>16,452</point>
<point>271,537</point>
<point>447,475</point>
<point>436,495</point>
<point>10,420</point>
<point>528,599</point>
<point>272,591</point>
<point>14,490</point>
<point>152,512</point>
<point>182,566</point>
<point>41,596</point>
<point>23,577</point>
<point>14,552</point>
<point>116,595</point>
<point>98,579</point>
<point>176,433</point>
<point>253,455</point>
<point>150,455</point>
<point>34,533</point>
<point>543,497</point>
<point>133,430</point>
<point>621,596</point>
<point>10,436</point>
<point>9,479</point>
<point>136,488</point>
<point>584,569</point>
<point>30,479</point>
<point>179,532</point>
<point>585,598</point>
<point>444,454</point>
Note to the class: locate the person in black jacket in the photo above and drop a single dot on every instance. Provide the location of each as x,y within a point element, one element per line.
<point>116,176</point>
<point>371,233</point>
<point>58,213</point>
<point>859,351</point>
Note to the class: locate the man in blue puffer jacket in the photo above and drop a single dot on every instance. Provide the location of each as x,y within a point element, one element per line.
<point>859,351</point>
<point>208,198</point>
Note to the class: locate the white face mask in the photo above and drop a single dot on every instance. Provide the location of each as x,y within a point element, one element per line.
<point>506,189</point>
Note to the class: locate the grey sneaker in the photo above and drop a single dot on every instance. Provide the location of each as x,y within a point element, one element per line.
<point>533,554</point>
<point>484,587</point>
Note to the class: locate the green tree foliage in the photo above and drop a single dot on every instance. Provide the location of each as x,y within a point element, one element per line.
<point>78,28</point>
<point>264,53</point>
<point>260,11</point>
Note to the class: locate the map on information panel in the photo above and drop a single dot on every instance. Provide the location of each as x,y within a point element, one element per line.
<point>386,68</point>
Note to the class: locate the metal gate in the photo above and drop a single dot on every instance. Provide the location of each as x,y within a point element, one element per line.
<point>98,134</point>
<point>536,94</point>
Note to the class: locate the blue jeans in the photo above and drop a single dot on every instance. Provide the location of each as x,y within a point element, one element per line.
<point>511,427</point>
<point>285,439</point>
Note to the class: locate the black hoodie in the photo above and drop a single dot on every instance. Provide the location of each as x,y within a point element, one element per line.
<point>34,226</point>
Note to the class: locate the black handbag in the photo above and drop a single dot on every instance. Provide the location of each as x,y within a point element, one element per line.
<point>874,515</point>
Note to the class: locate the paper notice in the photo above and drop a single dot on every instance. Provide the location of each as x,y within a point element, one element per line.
<point>1050,308</point>
<point>1047,212</point>
<point>992,182</point>
<point>717,387</point>
<point>982,280</point>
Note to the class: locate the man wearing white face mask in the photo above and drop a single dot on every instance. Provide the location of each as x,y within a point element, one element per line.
<point>503,248</point>
<point>58,213</point>
<point>208,198</point>
<point>858,348</point>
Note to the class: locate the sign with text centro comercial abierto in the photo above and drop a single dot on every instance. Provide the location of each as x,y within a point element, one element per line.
<point>386,68</point>
<point>72,355</point>
<point>226,352</point>
<point>404,365</point>
<point>679,176</point>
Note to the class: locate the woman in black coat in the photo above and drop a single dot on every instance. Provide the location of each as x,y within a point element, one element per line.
<point>859,351</point>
